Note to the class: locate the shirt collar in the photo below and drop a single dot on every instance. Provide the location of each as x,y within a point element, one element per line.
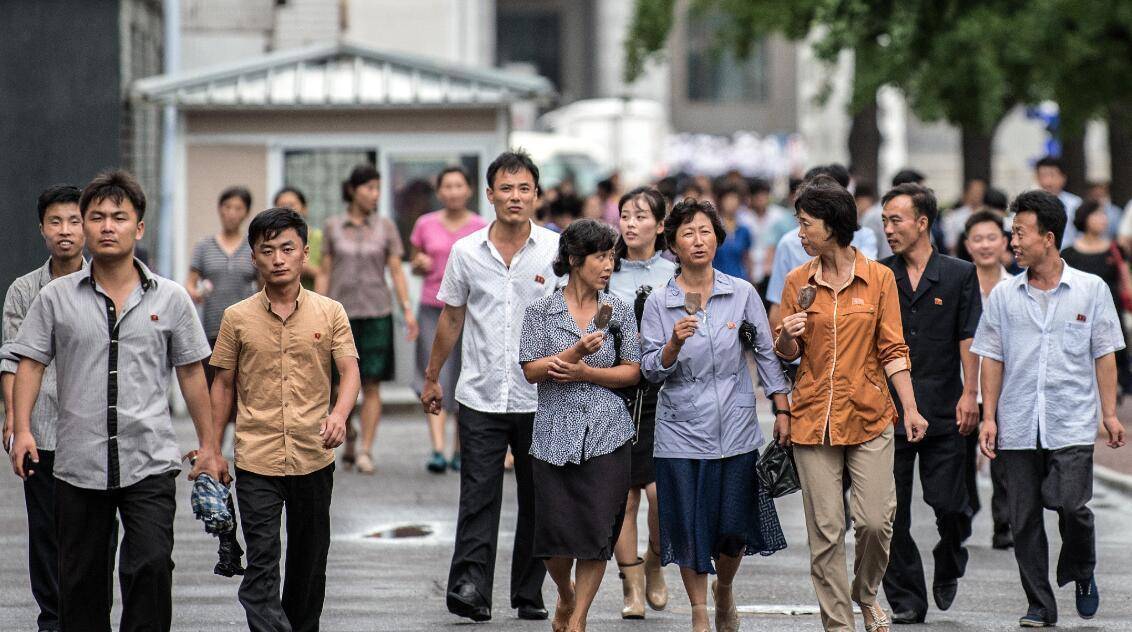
<point>266,302</point>
<point>148,279</point>
<point>931,270</point>
<point>558,300</point>
<point>647,263</point>
<point>1022,280</point>
<point>366,219</point>
<point>45,271</point>
<point>722,284</point>
<point>532,237</point>
<point>860,267</point>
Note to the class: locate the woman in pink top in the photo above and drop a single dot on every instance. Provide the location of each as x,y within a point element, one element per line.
<point>433,237</point>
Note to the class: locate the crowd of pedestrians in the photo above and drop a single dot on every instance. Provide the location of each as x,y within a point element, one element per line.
<point>610,348</point>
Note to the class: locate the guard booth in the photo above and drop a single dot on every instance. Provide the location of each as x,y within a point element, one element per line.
<point>305,117</point>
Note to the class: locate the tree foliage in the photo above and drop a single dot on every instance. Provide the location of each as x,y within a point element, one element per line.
<point>964,61</point>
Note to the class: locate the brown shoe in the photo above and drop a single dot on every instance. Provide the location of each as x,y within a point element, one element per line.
<point>726,614</point>
<point>656,590</point>
<point>633,589</point>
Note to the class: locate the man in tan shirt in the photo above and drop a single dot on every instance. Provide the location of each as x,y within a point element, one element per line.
<point>273,359</point>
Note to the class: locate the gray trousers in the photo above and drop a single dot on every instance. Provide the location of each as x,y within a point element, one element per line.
<point>1061,481</point>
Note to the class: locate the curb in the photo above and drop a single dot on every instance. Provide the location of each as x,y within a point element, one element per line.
<point>1111,478</point>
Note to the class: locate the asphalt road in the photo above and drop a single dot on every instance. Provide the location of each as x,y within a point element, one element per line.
<point>376,584</point>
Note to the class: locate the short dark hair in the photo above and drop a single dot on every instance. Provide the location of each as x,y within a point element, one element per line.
<point>824,198</point>
<point>270,223</point>
<point>923,200</point>
<point>571,205</point>
<point>1081,215</point>
<point>758,185</point>
<point>1049,210</point>
<point>360,175</point>
<point>683,213</point>
<point>116,185</point>
<point>985,215</point>
<point>655,203</point>
<point>794,184</point>
<point>1050,161</point>
<point>453,169</point>
<point>236,192</point>
<point>580,240</point>
<point>511,162</point>
<point>864,189</point>
<point>837,171</point>
<point>667,187</point>
<point>722,187</point>
<point>57,194</point>
<point>289,189</point>
<point>904,176</point>
<point>996,199</point>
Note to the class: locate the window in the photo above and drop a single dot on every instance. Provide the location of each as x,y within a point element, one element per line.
<point>715,74</point>
<point>319,173</point>
<point>532,37</point>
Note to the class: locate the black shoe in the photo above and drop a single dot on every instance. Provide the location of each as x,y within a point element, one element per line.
<point>1088,598</point>
<point>532,613</point>
<point>465,602</point>
<point>944,593</point>
<point>1002,541</point>
<point>907,617</point>
<point>1034,619</point>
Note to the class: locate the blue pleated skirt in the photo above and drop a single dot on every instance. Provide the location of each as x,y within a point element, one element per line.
<point>714,507</point>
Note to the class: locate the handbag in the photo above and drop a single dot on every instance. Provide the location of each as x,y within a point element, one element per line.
<point>776,470</point>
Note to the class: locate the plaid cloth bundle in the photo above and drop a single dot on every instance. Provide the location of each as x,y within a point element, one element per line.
<point>211,502</point>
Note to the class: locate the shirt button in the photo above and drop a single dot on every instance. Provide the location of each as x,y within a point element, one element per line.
<point>913,332</point>
<point>913,310</point>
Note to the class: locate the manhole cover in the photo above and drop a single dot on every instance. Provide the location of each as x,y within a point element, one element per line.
<point>402,532</point>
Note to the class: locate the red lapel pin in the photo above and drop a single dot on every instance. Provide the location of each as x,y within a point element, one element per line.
<point>154,317</point>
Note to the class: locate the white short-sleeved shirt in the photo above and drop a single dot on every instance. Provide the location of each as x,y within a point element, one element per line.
<point>1049,396</point>
<point>497,296</point>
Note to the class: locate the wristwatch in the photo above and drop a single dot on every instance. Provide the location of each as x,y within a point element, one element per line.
<point>781,411</point>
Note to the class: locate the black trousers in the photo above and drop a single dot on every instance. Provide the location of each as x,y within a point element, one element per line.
<point>86,525</point>
<point>943,462</point>
<point>1062,481</point>
<point>484,438</point>
<point>1000,509</point>
<point>43,553</point>
<point>261,499</point>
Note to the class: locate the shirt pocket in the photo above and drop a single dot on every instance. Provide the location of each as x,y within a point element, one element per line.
<point>1076,338</point>
<point>858,321</point>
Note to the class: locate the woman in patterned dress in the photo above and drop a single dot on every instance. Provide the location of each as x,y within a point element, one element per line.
<point>582,426</point>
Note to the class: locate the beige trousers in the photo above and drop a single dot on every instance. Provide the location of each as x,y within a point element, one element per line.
<point>872,506</point>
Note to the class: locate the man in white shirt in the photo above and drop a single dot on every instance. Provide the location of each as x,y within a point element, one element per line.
<point>1047,339</point>
<point>1050,174</point>
<point>491,277</point>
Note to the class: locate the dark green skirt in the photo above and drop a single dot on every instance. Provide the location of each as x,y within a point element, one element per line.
<point>374,339</point>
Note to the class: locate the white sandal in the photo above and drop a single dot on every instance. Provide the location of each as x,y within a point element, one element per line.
<point>879,618</point>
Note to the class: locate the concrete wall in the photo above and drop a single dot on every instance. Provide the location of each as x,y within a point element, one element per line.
<point>60,111</point>
<point>211,168</point>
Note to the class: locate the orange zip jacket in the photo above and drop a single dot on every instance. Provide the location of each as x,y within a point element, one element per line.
<point>853,339</point>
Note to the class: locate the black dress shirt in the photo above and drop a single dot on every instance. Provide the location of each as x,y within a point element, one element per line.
<point>941,312</point>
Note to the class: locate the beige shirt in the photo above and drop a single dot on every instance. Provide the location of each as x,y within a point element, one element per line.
<point>282,380</point>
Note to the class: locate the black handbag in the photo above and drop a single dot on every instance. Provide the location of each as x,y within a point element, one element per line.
<point>777,472</point>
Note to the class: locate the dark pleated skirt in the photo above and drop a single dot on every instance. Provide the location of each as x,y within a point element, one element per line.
<point>579,508</point>
<point>644,415</point>
<point>714,507</point>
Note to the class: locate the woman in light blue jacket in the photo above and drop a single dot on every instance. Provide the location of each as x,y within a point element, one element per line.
<point>707,434</point>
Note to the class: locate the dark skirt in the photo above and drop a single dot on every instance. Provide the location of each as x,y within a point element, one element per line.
<point>644,416</point>
<point>714,507</point>
<point>579,508</point>
<point>373,338</point>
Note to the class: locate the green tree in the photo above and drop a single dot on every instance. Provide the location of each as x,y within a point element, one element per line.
<point>954,60</point>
